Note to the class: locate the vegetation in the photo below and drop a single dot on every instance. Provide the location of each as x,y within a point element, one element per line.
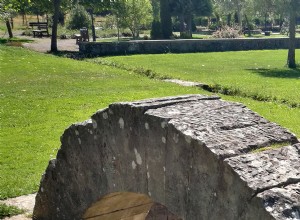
<point>260,75</point>
<point>41,95</point>
<point>79,18</point>
<point>271,147</point>
<point>134,15</point>
<point>8,211</point>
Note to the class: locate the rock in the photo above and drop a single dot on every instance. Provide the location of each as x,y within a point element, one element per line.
<point>190,154</point>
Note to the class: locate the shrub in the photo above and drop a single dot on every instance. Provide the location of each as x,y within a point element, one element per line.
<point>78,18</point>
<point>226,32</point>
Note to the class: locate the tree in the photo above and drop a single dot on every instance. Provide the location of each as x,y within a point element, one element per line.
<point>7,9</point>
<point>133,14</point>
<point>156,25</point>
<point>56,6</point>
<point>293,6</point>
<point>239,7</point>
<point>165,19</point>
<point>186,9</point>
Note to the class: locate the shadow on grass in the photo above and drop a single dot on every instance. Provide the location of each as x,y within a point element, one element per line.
<point>14,41</point>
<point>71,54</point>
<point>278,73</point>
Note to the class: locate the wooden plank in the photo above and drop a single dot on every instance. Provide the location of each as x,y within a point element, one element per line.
<point>125,203</point>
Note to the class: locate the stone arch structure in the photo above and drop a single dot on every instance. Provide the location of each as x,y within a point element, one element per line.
<point>192,154</point>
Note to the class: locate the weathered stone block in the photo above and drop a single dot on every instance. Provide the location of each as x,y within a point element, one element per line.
<point>191,154</point>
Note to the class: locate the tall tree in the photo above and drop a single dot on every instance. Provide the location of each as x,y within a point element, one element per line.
<point>186,9</point>
<point>56,6</point>
<point>133,14</point>
<point>293,6</point>
<point>165,19</point>
<point>7,9</point>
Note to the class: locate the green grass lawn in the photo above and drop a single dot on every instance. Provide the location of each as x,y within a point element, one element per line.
<point>256,74</point>
<point>41,95</point>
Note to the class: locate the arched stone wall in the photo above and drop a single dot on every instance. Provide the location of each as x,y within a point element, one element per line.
<point>189,153</point>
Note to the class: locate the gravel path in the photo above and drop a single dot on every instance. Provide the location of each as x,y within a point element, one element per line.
<point>43,44</point>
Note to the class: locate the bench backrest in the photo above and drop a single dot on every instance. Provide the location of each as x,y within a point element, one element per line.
<point>39,25</point>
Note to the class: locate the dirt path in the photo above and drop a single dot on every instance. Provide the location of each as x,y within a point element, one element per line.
<point>43,44</point>
<point>25,202</point>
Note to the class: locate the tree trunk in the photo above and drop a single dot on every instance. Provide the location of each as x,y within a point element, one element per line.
<point>266,22</point>
<point>189,25</point>
<point>229,19</point>
<point>165,18</point>
<point>182,25</point>
<point>56,4</point>
<point>9,29</point>
<point>12,22</point>
<point>248,25</point>
<point>291,61</point>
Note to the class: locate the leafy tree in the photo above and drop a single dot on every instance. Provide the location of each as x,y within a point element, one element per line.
<point>78,18</point>
<point>186,9</point>
<point>133,14</point>
<point>156,25</point>
<point>238,7</point>
<point>7,9</point>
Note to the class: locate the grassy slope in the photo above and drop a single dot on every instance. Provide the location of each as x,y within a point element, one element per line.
<point>259,74</point>
<point>41,95</point>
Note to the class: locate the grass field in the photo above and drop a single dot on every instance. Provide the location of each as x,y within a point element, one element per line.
<point>259,75</point>
<point>41,95</point>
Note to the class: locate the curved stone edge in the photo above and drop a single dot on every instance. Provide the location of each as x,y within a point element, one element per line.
<point>274,176</point>
<point>85,133</point>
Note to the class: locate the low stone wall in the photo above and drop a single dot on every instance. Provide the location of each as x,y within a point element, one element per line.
<point>191,154</point>
<point>181,46</point>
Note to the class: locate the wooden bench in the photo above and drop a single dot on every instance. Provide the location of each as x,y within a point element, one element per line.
<point>41,28</point>
<point>83,36</point>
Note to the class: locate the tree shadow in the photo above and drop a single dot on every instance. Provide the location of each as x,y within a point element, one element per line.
<point>278,73</point>
<point>70,54</point>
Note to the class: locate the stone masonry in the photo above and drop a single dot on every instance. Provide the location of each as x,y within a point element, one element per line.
<point>193,154</point>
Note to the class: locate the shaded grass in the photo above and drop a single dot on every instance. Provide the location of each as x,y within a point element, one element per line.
<point>41,95</point>
<point>14,40</point>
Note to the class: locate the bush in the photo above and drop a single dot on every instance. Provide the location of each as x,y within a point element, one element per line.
<point>226,32</point>
<point>79,18</point>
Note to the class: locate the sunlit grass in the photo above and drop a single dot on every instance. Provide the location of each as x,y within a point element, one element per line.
<point>41,95</point>
<point>260,75</point>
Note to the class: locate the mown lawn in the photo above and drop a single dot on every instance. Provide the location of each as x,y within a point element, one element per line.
<point>41,95</point>
<point>257,74</point>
